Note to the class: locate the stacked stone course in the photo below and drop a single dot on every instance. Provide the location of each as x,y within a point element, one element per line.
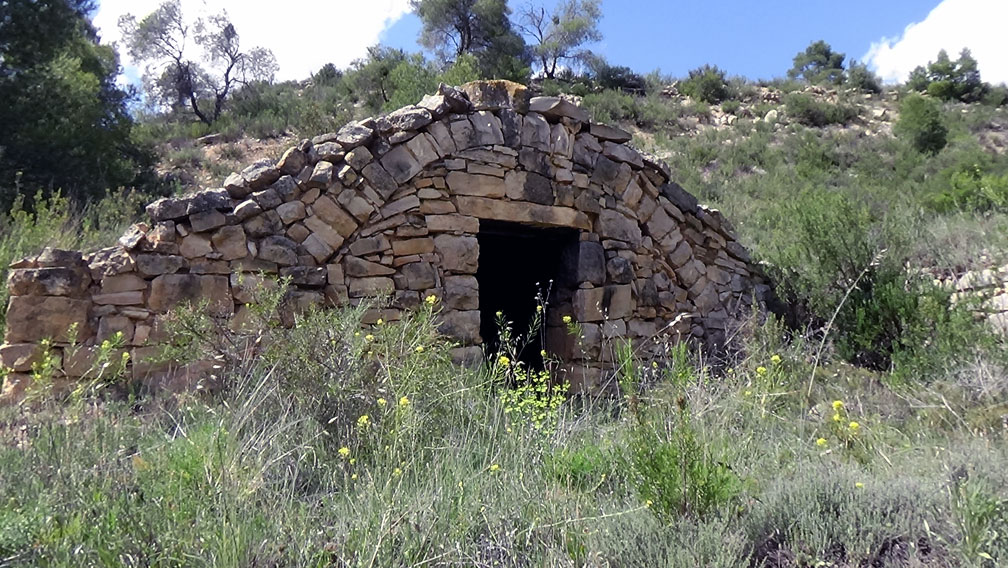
<point>392,206</point>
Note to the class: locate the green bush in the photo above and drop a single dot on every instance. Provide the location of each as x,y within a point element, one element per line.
<point>844,269</point>
<point>805,109</point>
<point>611,106</point>
<point>678,472</point>
<point>920,124</point>
<point>863,79</point>
<point>707,84</point>
<point>973,190</point>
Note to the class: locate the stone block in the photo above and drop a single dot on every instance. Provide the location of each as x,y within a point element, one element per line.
<point>588,305</point>
<point>129,298</point>
<point>361,287</point>
<point>416,276</point>
<point>370,245</point>
<point>169,290</point>
<point>461,325</point>
<point>463,183</point>
<point>122,283</point>
<point>618,301</point>
<point>401,164</point>
<point>461,292</point>
<point>358,267</point>
<point>195,246</point>
<point>19,357</point>
<point>280,250</point>
<point>334,215</point>
<point>34,318</point>
<point>459,254</point>
<point>54,281</point>
<point>530,213</point>
<point>291,212</point>
<point>230,242</point>
<point>615,225</point>
<point>109,326</point>
<point>206,220</point>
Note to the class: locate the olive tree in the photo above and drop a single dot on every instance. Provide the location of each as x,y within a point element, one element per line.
<point>159,40</point>
<point>561,34</point>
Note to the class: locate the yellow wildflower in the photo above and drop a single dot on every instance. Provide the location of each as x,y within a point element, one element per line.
<point>396,472</point>
<point>382,402</point>
<point>821,442</point>
<point>380,321</point>
<point>431,300</point>
<point>648,503</point>
<point>836,417</point>
<point>504,361</point>
<point>495,467</point>
<point>761,370</point>
<point>543,353</point>
<point>566,319</point>
<point>344,452</point>
<point>499,314</point>
<point>776,359</point>
<point>837,405</point>
<point>419,349</point>
<point>369,337</point>
<point>539,309</point>
<point>404,401</point>
<point>854,427</point>
<point>363,421</point>
<point>354,476</point>
<point>356,334</point>
<point>747,393</point>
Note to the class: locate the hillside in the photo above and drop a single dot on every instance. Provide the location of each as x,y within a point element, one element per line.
<point>864,426</point>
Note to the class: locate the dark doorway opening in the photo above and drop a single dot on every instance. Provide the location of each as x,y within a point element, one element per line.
<point>519,267</point>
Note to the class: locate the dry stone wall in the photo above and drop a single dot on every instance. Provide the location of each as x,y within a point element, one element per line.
<point>393,206</point>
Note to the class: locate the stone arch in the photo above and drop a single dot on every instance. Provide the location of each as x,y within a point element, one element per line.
<point>394,205</point>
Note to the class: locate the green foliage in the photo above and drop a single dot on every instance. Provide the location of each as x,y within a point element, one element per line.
<point>842,265</point>
<point>678,472</point>
<point>707,84</point>
<point>818,64</point>
<point>949,80</point>
<point>805,109</point>
<point>615,77</point>
<point>65,121</point>
<point>971,189</point>
<point>920,124</point>
<point>175,80</point>
<point>482,28</point>
<point>863,79</point>
<point>560,35</point>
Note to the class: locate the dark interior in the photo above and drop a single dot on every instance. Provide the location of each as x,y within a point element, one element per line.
<point>516,264</point>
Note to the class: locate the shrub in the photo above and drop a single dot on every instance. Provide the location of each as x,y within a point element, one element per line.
<point>679,473</point>
<point>862,78</point>
<point>616,77</point>
<point>844,270</point>
<point>805,109</point>
<point>610,106</point>
<point>707,84</point>
<point>971,189</point>
<point>731,107</point>
<point>920,124</point>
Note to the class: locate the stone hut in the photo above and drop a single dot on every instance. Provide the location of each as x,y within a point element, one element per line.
<point>481,196</point>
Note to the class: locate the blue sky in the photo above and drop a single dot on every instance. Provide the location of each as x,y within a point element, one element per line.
<point>756,39</point>
<point>751,38</point>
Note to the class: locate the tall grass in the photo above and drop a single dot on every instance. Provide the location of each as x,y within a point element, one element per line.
<point>334,443</point>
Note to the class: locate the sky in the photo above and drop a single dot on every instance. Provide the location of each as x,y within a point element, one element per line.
<point>744,37</point>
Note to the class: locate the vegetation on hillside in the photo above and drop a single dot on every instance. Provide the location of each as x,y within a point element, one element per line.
<point>863,427</point>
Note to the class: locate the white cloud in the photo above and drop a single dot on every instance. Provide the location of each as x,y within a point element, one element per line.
<point>952,25</point>
<point>303,34</point>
